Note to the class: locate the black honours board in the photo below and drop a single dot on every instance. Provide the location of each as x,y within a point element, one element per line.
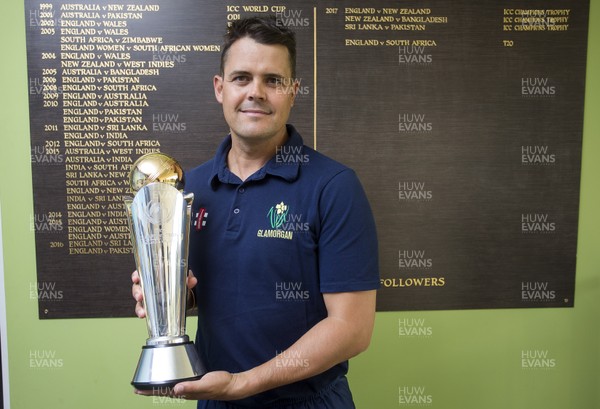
<point>463,121</point>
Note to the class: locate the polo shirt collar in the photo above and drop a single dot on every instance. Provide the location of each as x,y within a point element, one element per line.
<point>285,170</point>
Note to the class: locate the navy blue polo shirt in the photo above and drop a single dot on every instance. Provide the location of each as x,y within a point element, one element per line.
<point>264,250</point>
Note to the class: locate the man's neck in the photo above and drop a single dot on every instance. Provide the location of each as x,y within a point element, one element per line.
<point>244,158</point>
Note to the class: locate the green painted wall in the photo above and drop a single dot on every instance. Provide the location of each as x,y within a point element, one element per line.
<point>470,360</point>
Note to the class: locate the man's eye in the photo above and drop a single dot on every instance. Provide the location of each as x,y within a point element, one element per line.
<point>241,79</point>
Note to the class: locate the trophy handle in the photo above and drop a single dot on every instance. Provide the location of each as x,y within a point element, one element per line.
<point>189,199</point>
<point>128,200</point>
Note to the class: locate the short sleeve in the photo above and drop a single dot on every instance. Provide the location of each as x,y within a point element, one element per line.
<point>347,246</point>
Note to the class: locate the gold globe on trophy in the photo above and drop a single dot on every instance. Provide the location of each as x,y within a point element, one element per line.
<point>156,167</point>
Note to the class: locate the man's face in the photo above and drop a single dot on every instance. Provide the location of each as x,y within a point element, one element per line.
<point>256,90</point>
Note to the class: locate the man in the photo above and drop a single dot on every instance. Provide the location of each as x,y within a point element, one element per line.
<point>287,259</point>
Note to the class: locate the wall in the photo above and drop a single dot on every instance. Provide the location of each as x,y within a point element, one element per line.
<point>469,359</point>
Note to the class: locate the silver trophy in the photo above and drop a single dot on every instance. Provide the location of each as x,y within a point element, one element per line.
<point>159,222</point>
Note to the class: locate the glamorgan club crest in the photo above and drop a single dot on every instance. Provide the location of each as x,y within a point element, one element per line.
<point>277,215</point>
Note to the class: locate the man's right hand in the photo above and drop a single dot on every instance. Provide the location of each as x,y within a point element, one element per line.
<point>138,294</point>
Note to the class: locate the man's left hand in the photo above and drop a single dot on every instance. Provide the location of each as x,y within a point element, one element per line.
<point>217,385</point>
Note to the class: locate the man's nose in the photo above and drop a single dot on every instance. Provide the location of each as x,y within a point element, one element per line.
<point>256,90</point>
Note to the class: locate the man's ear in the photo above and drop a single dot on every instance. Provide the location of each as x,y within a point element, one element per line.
<point>218,85</point>
<point>294,90</point>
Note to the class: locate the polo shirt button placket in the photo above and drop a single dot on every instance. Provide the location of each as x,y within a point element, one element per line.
<point>237,209</point>
<point>234,223</point>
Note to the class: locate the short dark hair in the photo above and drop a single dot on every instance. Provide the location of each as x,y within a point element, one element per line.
<point>264,30</point>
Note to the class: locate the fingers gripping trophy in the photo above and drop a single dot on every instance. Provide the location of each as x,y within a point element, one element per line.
<point>159,221</point>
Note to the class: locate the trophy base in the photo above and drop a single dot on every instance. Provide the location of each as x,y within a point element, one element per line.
<point>164,366</point>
